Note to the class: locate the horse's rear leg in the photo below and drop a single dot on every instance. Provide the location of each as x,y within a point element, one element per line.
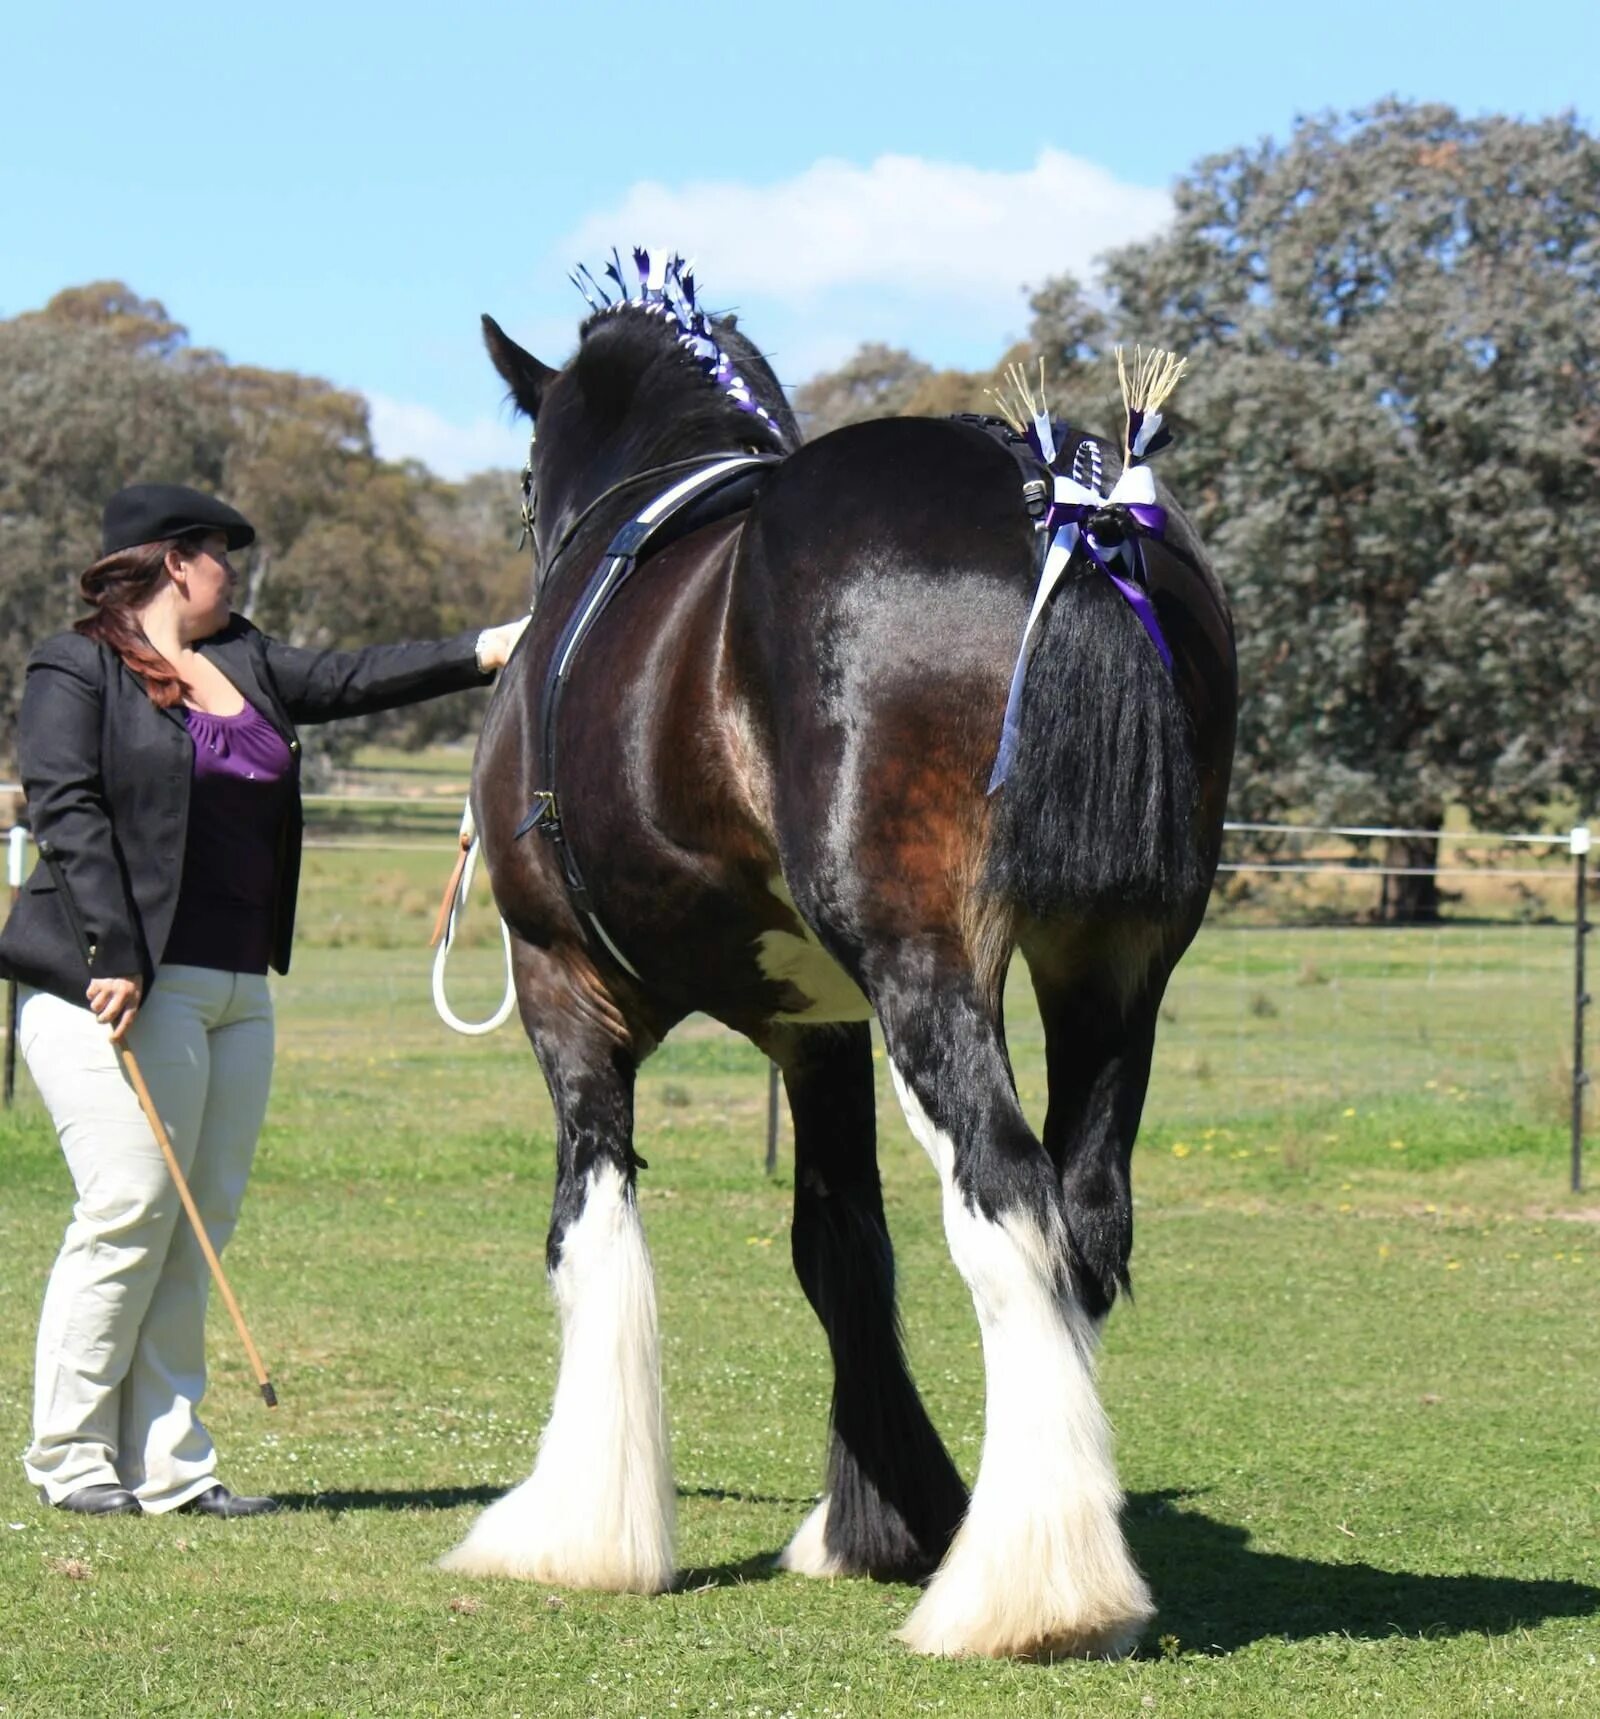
<point>1099,1026</point>
<point>598,1509</point>
<point>893,1496</point>
<point>1040,1565</point>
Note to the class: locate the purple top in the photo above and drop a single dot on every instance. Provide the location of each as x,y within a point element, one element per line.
<point>241,790</point>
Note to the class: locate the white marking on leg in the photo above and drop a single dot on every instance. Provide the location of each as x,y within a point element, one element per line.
<point>598,1510</point>
<point>1040,1565</point>
<point>797,959</point>
<point>807,1553</point>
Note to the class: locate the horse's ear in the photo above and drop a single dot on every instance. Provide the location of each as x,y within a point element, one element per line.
<point>525,375</point>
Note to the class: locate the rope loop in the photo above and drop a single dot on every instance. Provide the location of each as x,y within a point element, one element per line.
<point>460,887</point>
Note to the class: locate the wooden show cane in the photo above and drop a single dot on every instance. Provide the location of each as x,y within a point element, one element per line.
<point>16,842</point>
<point>130,1067</point>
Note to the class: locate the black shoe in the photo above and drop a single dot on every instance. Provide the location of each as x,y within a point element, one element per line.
<point>219,1501</point>
<point>106,1500</point>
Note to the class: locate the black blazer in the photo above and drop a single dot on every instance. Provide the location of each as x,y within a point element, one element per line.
<point>107,777</point>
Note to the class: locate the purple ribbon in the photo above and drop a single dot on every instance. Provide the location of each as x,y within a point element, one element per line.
<point>1080,517</point>
<point>1152,521</point>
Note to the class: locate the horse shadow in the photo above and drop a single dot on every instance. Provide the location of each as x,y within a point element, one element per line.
<point>760,1567</point>
<point>1216,1593</point>
<point>424,1498</point>
<point>456,1497</point>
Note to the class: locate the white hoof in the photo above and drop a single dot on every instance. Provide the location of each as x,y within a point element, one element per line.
<point>807,1553</point>
<point>1028,1609</point>
<point>532,1537</point>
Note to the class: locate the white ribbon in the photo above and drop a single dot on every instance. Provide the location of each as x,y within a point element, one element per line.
<point>1135,487</point>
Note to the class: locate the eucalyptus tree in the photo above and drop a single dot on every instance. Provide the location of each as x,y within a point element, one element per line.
<point>1390,439</point>
<point>102,387</point>
<point>876,381</point>
<point>1392,448</point>
<point>86,405</point>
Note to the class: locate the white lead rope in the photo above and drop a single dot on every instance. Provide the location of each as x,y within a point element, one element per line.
<point>458,900</point>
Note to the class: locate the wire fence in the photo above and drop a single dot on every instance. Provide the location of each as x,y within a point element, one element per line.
<point>1297,994</point>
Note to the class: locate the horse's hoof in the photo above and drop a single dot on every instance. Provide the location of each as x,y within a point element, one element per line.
<point>528,1537</point>
<point>998,1639</point>
<point>899,1558</point>
<point>1009,1616</point>
<point>807,1553</point>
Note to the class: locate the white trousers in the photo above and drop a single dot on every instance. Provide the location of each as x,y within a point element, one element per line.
<point>121,1359</point>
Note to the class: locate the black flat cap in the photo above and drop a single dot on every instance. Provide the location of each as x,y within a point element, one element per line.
<point>147,512</point>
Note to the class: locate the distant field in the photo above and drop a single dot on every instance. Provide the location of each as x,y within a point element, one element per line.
<point>1259,1019</point>
<point>1355,1397</point>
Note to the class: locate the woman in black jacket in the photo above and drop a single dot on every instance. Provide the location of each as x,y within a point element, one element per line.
<point>159,755</point>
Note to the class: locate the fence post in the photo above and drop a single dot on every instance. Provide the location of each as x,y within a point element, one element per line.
<point>1580,996</point>
<point>772,1119</point>
<point>16,843</point>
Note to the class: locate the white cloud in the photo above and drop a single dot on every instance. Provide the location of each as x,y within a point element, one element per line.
<point>896,238</point>
<point>403,430</point>
<point>931,255</point>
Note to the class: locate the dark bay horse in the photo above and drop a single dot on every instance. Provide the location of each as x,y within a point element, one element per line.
<point>772,763</point>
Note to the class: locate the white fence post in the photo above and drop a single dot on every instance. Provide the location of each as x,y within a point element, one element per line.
<point>1580,996</point>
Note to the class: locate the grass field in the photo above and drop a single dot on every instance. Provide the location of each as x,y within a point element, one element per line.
<point>1356,1397</point>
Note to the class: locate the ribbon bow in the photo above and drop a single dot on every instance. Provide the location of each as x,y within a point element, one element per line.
<point>1080,517</point>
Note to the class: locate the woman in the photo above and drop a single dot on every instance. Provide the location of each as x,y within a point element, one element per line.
<point>159,755</point>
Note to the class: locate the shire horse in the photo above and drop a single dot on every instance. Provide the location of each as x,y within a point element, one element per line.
<point>773,757</point>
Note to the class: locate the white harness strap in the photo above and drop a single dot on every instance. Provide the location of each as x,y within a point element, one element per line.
<point>472,1029</point>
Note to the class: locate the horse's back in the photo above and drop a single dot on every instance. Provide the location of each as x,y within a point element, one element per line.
<point>913,499</point>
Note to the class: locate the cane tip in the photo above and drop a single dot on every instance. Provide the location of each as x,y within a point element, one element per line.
<point>268,1395</point>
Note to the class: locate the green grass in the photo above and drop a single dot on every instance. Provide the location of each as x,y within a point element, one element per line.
<point>1355,1396</point>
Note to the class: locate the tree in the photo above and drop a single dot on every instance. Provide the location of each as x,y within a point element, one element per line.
<point>102,388</point>
<point>881,381</point>
<point>140,326</point>
<point>83,409</point>
<point>1393,450</point>
<point>876,382</point>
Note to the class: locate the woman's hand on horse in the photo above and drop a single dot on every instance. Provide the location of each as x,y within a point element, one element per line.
<point>495,644</point>
<point>115,1002</point>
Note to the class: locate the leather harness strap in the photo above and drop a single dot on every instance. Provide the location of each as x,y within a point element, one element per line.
<point>714,491</point>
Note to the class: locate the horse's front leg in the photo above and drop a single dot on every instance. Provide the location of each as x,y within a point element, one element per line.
<point>1040,1565</point>
<point>598,1510</point>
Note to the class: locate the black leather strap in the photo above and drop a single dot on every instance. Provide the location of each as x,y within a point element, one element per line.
<point>720,497</point>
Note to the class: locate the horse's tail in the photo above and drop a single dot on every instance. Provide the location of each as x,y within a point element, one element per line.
<point>1099,811</point>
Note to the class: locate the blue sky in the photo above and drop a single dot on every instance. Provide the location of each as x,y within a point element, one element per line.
<point>341,190</point>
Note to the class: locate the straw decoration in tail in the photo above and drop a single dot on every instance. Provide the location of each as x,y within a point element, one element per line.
<point>1155,375</point>
<point>1083,520</point>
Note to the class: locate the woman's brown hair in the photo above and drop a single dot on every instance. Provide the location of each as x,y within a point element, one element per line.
<point>114,587</point>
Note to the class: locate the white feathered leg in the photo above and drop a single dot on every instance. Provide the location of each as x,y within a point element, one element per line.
<point>598,1511</point>
<point>807,1553</point>
<point>1039,1566</point>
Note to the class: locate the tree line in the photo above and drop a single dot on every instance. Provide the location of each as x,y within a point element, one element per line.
<point>102,387</point>
<point>1389,438</point>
